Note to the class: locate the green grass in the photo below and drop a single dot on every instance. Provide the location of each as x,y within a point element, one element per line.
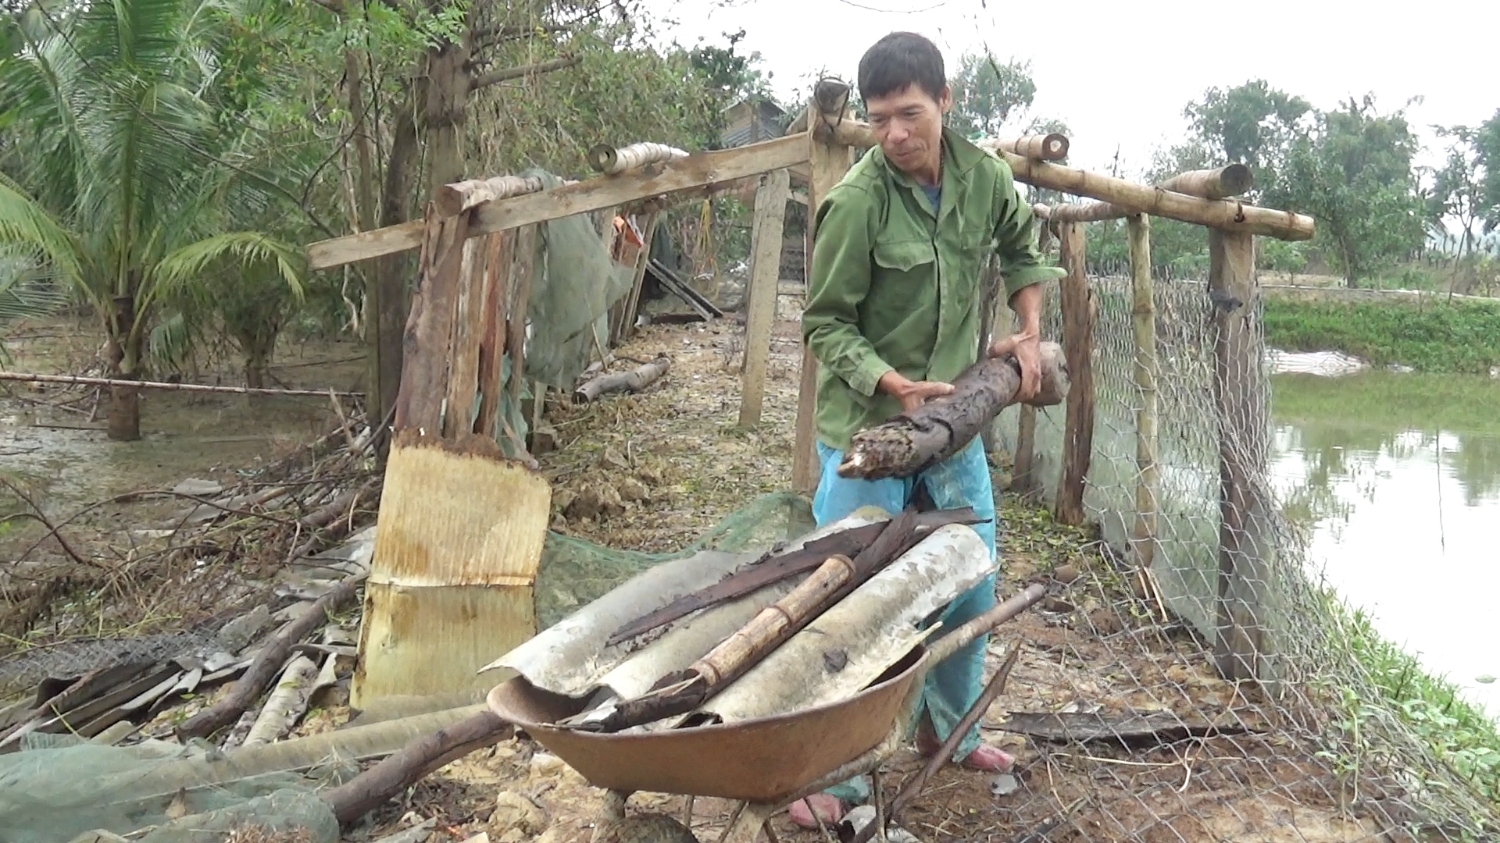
<point>1431,336</point>
<point>1460,734</point>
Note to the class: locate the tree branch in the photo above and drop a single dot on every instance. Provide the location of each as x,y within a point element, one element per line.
<point>509,73</point>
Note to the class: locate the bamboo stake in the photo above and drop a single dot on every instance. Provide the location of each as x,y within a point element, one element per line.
<point>78,380</point>
<point>1078,344</point>
<point>453,199</point>
<point>1143,317</point>
<point>611,161</point>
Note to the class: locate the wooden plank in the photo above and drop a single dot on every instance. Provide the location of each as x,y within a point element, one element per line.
<point>468,328</point>
<point>632,302</point>
<point>429,327</point>
<point>1225,214</point>
<point>828,161</point>
<point>1244,575</point>
<point>516,332</point>
<point>765,268</point>
<point>1143,321</point>
<point>497,270</point>
<point>1078,341</point>
<point>701,169</point>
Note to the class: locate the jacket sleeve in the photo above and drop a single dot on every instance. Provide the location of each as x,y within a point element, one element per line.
<point>838,284</point>
<point>1015,241</point>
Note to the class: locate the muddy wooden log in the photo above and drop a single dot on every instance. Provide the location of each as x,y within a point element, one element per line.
<point>268,663</point>
<point>453,199</point>
<point>634,380</point>
<point>611,161</point>
<point>913,441</point>
<point>1222,183</point>
<point>1078,343</point>
<point>1224,214</point>
<point>369,789</point>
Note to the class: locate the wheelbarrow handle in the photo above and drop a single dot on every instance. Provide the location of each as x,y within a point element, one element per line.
<point>962,636</point>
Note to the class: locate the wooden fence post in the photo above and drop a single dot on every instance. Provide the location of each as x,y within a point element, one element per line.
<point>1143,318</point>
<point>829,160</point>
<point>1078,344</point>
<point>765,272</point>
<point>1243,569</point>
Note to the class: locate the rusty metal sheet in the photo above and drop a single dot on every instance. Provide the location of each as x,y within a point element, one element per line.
<point>570,658</point>
<point>852,643</point>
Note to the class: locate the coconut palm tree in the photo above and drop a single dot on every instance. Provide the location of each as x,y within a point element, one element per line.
<point>126,169</point>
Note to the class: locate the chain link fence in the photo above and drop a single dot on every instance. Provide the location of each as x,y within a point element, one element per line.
<point>1145,741</point>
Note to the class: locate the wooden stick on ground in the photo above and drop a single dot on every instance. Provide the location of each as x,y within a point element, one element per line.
<point>268,663</point>
<point>79,380</point>
<point>364,792</point>
<point>911,442</point>
<point>913,788</point>
<point>634,380</point>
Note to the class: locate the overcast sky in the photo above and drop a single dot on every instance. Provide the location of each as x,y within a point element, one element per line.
<point>1119,73</point>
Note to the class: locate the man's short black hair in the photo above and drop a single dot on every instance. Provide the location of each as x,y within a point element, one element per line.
<point>898,60</point>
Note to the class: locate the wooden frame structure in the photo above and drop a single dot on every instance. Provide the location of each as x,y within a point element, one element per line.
<point>467,315</point>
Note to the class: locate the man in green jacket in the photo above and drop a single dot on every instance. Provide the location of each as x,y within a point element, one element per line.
<point>893,315</point>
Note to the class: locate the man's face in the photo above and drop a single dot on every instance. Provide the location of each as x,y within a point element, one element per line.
<point>909,126</point>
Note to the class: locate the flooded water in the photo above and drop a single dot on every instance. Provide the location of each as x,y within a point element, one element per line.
<point>1398,477</point>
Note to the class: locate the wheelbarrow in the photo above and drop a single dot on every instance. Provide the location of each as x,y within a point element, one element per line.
<point>764,764</point>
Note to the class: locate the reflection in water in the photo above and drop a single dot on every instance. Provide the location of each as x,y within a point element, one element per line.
<point>1398,480</point>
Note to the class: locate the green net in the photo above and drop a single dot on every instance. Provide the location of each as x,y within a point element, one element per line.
<point>59,787</point>
<point>575,572</point>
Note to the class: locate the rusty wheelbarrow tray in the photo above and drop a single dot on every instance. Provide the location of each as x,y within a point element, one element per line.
<point>766,762</point>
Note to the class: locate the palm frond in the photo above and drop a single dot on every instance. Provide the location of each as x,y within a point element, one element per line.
<point>223,252</point>
<point>25,224</point>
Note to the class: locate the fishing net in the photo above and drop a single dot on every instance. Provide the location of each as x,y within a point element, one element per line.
<point>575,283</point>
<point>575,572</point>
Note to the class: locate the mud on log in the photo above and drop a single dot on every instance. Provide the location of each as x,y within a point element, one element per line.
<point>634,380</point>
<point>914,441</point>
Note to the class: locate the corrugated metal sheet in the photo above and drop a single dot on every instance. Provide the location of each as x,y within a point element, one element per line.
<point>831,659</point>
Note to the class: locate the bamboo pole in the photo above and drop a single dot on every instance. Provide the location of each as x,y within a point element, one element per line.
<point>1048,147</point>
<point>626,325</point>
<point>79,380</point>
<point>1143,318</point>
<point>453,199</point>
<point>1221,183</point>
<point>765,271</point>
<point>610,161</point>
<point>1222,214</point>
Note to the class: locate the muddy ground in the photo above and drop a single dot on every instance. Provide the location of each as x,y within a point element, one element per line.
<point>652,472</point>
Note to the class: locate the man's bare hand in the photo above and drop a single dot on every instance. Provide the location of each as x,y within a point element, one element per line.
<point>1027,348</point>
<point>912,394</point>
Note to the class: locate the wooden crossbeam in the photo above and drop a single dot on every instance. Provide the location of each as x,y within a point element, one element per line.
<point>700,170</point>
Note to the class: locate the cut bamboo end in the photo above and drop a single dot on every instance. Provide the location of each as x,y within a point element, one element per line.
<point>1048,147</point>
<point>610,161</point>
<point>450,200</point>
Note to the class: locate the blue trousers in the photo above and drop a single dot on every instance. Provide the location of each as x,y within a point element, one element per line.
<point>963,479</point>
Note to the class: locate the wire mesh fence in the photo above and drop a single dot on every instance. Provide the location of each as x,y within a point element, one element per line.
<point>1149,742</point>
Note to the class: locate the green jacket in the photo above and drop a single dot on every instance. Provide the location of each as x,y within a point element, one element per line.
<point>895,286</point>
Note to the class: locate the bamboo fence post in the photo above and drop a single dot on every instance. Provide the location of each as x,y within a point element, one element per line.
<point>765,272</point>
<point>468,331</point>
<point>497,271</point>
<point>520,303</point>
<point>1243,564</point>
<point>1143,318</point>
<point>1078,340</point>
<point>828,160</point>
<point>632,304</point>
